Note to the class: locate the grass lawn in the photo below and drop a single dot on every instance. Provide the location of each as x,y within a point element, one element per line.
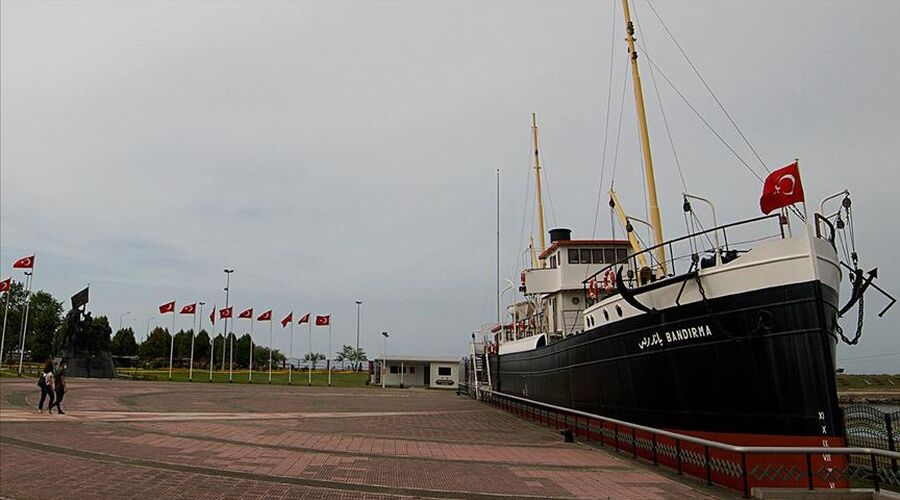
<point>319,377</point>
<point>888,383</point>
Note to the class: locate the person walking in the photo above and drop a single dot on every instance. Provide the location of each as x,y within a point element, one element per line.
<point>45,382</point>
<point>59,380</point>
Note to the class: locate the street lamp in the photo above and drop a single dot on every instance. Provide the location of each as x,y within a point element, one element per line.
<point>358,304</point>
<point>227,287</point>
<point>122,316</point>
<point>384,360</point>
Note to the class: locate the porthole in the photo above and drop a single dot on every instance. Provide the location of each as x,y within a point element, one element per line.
<point>575,300</point>
<point>618,310</point>
<point>605,315</point>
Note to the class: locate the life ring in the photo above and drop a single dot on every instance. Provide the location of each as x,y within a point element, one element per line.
<point>594,289</point>
<point>609,281</point>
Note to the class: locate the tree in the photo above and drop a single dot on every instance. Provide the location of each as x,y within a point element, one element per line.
<point>242,350</point>
<point>155,346</point>
<point>123,343</point>
<point>44,318</point>
<point>360,358</point>
<point>183,345</point>
<point>314,358</point>
<point>97,335</point>
<point>201,347</point>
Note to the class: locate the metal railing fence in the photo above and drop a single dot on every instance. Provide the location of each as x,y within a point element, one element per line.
<point>733,466</point>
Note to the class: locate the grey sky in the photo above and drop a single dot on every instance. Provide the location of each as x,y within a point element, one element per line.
<point>334,151</point>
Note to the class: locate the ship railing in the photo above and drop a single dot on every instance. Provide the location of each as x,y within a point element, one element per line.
<point>705,248</point>
<point>733,466</point>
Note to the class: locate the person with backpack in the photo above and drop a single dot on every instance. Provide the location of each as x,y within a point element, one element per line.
<point>45,382</point>
<point>59,380</point>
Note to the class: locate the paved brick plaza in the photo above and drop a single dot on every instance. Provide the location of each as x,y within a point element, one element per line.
<point>124,439</point>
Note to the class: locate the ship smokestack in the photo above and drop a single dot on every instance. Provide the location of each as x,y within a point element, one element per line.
<point>560,234</point>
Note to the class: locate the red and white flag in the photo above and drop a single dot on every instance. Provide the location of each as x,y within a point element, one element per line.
<point>167,308</point>
<point>304,319</point>
<point>189,309</point>
<point>212,316</point>
<point>781,188</point>
<point>323,320</point>
<point>287,319</point>
<point>24,263</point>
<point>247,314</point>
<point>266,316</point>
<point>5,284</point>
<point>226,312</point>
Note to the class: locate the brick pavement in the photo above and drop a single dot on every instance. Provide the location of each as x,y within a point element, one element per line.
<point>144,439</point>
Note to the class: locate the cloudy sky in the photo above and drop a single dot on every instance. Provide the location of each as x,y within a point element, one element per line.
<point>339,151</point>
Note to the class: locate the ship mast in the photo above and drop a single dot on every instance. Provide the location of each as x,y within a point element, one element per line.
<point>645,141</point>
<point>537,175</point>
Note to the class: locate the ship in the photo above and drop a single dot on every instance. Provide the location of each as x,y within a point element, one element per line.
<point>727,333</point>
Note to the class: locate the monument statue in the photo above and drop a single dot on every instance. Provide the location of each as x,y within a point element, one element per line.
<point>85,345</point>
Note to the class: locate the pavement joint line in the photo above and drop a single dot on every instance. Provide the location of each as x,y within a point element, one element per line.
<point>314,483</point>
<point>213,439</point>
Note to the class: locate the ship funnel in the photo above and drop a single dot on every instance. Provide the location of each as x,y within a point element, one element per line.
<point>560,234</point>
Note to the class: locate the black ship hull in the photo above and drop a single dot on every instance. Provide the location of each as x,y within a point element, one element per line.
<point>755,364</point>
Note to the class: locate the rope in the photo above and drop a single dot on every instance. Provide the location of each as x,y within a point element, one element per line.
<point>713,94</point>
<point>609,83</point>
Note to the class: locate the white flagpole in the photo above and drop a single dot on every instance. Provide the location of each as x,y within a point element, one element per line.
<point>311,360</point>
<point>212,343</point>
<point>230,356</point>
<point>329,350</point>
<point>172,343</point>
<point>270,349</point>
<point>5,314</point>
<point>193,336</point>
<point>30,280</point>
<point>291,353</point>
<point>251,349</point>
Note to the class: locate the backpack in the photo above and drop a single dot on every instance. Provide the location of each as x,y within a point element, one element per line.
<point>42,381</point>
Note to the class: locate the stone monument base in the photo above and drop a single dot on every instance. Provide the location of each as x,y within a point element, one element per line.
<point>97,366</point>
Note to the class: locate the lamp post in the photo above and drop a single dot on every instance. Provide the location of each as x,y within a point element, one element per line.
<point>227,337</point>
<point>358,366</point>
<point>121,317</point>
<point>384,360</point>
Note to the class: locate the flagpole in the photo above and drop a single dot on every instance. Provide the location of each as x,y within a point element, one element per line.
<point>270,348</point>
<point>172,343</point>
<point>193,336</point>
<point>212,346</point>
<point>231,358</point>
<point>251,349</point>
<point>30,280</point>
<point>5,314</point>
<point>329,350</point>
<point>291,353</point>
<point>311,359</point>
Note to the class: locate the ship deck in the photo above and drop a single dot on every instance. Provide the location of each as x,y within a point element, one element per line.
<point>124,439</point>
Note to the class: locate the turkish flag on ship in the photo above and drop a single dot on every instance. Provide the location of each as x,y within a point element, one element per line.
<point>266,316</point>
<point>24,263</point>
<point>5,284</point>
<point>304,319</point>
<point>781,188</point>
<point>226,312</point>
<point>247,314</point>
<point>167,308</point>
<point>212,315</point>
<point>323,320</point>
<point>287,319</point>
<point>189,309</point>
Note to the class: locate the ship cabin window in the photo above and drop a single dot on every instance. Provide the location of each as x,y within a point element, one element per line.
<point>552,262</point>
<point>597,256</point>
<point>395,369</point>
<point>412,370</point>
<point>585,256</point>
<point>573,256</point>
<point>621,253</point>
<point>609,255</point>
<point>443,371</point>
